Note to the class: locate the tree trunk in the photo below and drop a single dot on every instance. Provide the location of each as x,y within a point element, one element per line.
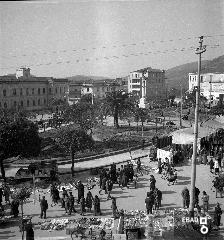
<point>73,161</point>
<point>34,193</point>
<point>116,118</point>
<point>22,220</point>
<point>2,168</point>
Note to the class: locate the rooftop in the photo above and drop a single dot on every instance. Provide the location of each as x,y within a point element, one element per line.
<point>149,69</point>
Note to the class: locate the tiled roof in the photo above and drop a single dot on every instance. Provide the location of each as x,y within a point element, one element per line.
<point>148,69</point>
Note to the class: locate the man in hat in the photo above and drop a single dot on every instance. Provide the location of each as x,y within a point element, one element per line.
<point>80,188</point>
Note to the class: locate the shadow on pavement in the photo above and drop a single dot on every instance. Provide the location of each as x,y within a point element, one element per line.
<point>6,234</point>
<point>183,183</point>
<point>168,192</point>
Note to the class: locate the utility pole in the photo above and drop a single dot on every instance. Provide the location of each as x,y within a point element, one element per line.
<point>181,106</point>
<point>201,49</point>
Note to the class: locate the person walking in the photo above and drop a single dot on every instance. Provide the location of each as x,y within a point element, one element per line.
<point>205,200</point>
<point>139,164</point>
<point>103,186</point>
<point>15,208</point>
<point>97,210</point>
<point>64,194</point>
<point>216,166</point>
<point>196,193</point>
<point>29,232</point>
<point>82,206</point>
<point>217,215</point>
<point>7,193</point>
<point>89,201</point>
<point>114,207</point>
<point>135,180</point>
<point>80,188</point>
<point>149,201</point>
<point>71,203</point>
<point>109,187</point>
<point>211,165</point>
<point>43,207</point>
<point>186,197</point>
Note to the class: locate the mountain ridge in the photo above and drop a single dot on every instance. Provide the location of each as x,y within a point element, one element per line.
<point>178,75</point>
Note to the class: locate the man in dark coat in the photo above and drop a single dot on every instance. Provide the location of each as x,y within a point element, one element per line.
<point>80,188</point>
<point>29,232</point>
<point>196,195</point>
<point>149,201</point>
<point>43,207</point>
<point>217,215</point>
<point>186,197</point>
<point>71,201</point>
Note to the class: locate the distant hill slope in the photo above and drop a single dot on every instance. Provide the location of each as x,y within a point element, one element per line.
<point>179,75</point>
<point>85,78</point>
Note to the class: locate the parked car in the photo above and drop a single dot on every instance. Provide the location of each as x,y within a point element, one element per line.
<point>170,123</point>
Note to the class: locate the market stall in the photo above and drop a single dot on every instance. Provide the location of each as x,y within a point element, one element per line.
<point>137,224</point>
<point>91,228</point>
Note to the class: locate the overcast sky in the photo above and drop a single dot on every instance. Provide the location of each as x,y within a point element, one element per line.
<point>101,37</point>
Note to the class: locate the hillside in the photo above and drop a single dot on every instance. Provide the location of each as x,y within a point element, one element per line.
<point>179,75</point>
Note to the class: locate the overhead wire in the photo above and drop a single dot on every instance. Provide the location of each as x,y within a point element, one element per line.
<point>12,55</point>
<point>117,57</point>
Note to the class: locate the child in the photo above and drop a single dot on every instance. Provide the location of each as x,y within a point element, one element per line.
<point>135,180</point>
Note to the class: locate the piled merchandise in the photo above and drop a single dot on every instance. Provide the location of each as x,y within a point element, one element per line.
<point>135,219</point>
<point>54,224</point>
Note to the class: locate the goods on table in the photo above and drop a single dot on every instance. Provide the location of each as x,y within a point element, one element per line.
<point>54,224</point>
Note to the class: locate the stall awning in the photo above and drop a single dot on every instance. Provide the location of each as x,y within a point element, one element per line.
<point>186,135</point>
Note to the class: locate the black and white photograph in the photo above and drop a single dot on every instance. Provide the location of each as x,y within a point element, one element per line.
<point>112,120</point>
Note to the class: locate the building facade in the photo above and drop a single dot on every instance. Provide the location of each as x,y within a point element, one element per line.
<point>211,85</point>
<point>99,88</point>
<point>26,92</point>
<point>148,83</point>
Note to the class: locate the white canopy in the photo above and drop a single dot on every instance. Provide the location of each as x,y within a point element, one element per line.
<point>186,135</point>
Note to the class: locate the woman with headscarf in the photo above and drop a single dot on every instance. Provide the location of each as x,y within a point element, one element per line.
<point>114,207</point>
<point>97,210</point>
<point>89,201</point>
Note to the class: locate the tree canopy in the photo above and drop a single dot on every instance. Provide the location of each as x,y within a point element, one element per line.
<point>18,136</point>
<point>118,101</point>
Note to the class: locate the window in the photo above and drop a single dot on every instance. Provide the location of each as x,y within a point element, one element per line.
<point>43,90</point>
<point>49,90</point>
<point>21,91</point>
<point>76,89</point>
<point>136,75</point>
<point>64,89</point>
<point>4,93</point>
<point>21,103</point>
<point>28,103</point>
<point>56,90</point>
<point>202,79</point>
<point>87,89</point>
<point>34,104</point>
<point>33,91</point>
<point>5,105</point>
<point>44,101</point>
<point>38,91</point>
<point>14,103</point>
<point>38,102</point>
<point>27,92</point>
<point>60,90</point>
<point>14,91</point>
<point>98,89</point>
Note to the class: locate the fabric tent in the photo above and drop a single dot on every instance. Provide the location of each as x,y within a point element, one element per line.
<point>186,135</point>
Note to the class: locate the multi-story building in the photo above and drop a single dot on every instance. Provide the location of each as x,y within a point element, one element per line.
<point>24,91</point>
<point>148,83</point>
<point>99,88</point>
<point>211,85</point>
